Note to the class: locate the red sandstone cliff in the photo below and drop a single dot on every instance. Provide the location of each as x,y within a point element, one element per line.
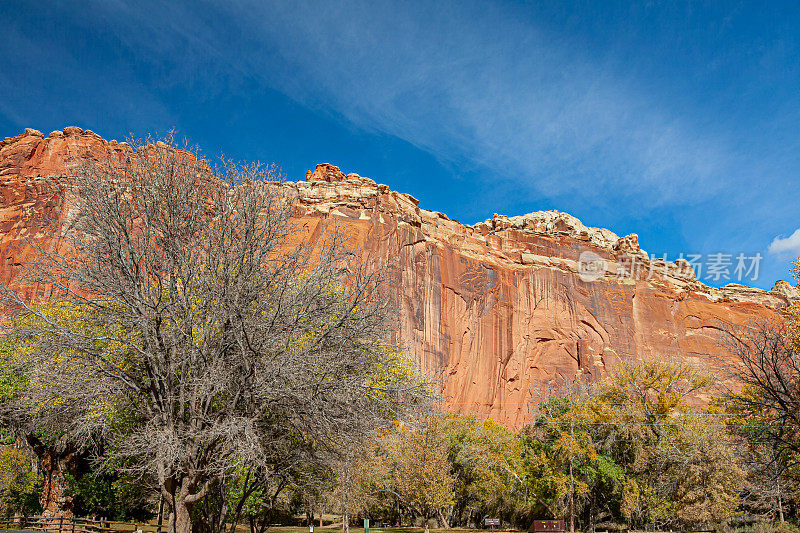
<point>496,308</point>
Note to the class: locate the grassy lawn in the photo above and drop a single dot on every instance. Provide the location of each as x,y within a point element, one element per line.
<point>360,529</point>
<point>330,528</point>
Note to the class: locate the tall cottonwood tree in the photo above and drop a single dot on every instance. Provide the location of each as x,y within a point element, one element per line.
<point>680,464</point>
<point>633,447</point>
<point>208,320</point>
<point>420,467</point>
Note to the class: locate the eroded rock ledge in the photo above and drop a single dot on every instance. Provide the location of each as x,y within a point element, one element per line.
<point>328,190</point>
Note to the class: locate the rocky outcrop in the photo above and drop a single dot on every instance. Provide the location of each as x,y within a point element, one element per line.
<point>495,309</point>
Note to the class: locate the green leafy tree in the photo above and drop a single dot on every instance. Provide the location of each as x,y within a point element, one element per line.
<point>632,448</point>
<point>19,483</point>
<point>114,496</point>
<point>566,454</point>
<point>487,461</point>
<point>679,461</point>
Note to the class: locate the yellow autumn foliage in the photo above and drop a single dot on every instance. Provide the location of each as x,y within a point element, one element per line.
<point>48,318</point>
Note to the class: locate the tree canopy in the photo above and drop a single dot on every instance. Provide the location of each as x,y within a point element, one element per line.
<point>192,310</point>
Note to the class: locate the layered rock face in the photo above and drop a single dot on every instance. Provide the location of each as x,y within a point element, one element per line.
<point>495,309</point>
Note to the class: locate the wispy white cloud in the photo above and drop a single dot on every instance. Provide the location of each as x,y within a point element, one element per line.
<point>605,131</point>
<point>477,85</point>
<point>783,245</point>
<point>467,83</point>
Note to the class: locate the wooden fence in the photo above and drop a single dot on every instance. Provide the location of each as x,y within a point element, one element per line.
<point>59,524</point>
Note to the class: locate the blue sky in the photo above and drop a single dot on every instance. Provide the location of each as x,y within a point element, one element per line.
<point>676,121</point>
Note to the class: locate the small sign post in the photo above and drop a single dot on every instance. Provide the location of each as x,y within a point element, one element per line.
<point>492,522</point>
<point>366,525</point>
<point>310,528</point>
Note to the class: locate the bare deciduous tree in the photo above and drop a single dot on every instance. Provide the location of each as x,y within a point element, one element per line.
<point>210,334</point>
<point>765,407</point>
<point>766,363</point>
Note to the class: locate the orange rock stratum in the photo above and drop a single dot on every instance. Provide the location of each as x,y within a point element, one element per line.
<point>495,309</point>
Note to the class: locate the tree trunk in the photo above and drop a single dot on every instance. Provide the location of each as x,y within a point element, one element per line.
<point>223,514</point>
<point>442,519</point>
<point>183,518</point>
<point>571,499</point>
<point>56,467</point>
<point>180,516</point>
<point>160,512</point>
<point>571,482</point>
<point>171,521</point>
